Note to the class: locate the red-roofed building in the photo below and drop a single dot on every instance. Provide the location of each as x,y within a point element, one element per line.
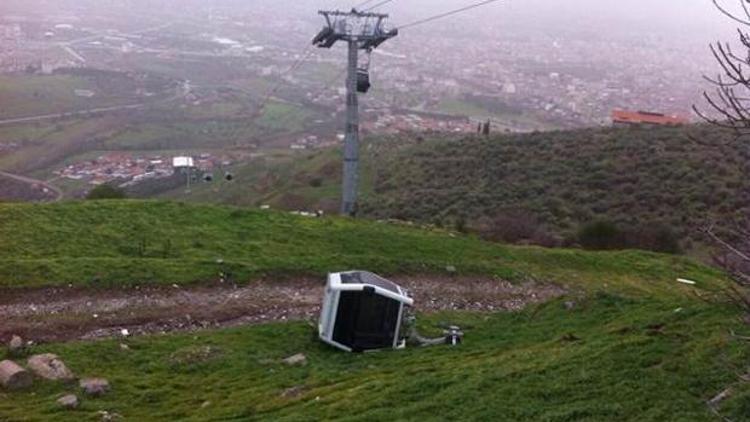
<point>629,118</point>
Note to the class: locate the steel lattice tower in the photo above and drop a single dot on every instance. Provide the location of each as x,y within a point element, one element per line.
<point>361,31</point>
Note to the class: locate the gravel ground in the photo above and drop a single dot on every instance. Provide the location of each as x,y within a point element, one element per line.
<point>60,314</point>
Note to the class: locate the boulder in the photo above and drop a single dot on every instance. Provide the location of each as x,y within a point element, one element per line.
<point>95,386</point>
<point>68,401</point>
<point>50,366</point>
<point>13,377</point>
<point>298,359</point>
<point>15,347</point>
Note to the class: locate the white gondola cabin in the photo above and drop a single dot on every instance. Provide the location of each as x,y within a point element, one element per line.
<point>362,311</point>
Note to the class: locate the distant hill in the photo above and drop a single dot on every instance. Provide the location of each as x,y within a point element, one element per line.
<point>678,177</point>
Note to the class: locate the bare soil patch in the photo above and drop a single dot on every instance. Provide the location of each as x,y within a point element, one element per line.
<point>60,314</point>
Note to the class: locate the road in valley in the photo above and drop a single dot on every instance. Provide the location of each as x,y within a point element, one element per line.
<point>34,182</point>
<point>68,114</point>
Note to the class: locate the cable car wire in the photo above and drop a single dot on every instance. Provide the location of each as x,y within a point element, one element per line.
<point>384,2</point>
<point>266,97</point>
<point>446,14</point>
<point>363,4</point>
<point>306,53</point>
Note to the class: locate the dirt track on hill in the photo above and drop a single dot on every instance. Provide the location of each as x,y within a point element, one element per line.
<point>60,314</point>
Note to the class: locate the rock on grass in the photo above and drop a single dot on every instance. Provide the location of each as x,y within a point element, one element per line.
<point>13,377</point>
<point>16,346</point>
<point>68,401</point>
<point>49,366</point>
<point>95,386</point>
<point>298,359</point>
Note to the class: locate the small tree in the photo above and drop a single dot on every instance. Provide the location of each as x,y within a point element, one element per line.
<point>729,103</point>
<point>600,235</point>
<point>730,106</point>
<point>106,191</point>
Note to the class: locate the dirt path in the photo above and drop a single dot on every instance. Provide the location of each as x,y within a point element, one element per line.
<point>59,314</point>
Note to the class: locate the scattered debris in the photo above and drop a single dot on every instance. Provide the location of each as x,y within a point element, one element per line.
<point>738,337</point>
<point>686,281</point>
<point>193,355</point>
<point>654,329</point>
<point>49,366</point>
<point>124,332</point>
<point>13,377</point>
<point>94,386</point>
<point>68,401</point>
<point>570,337</point>
<point>298,359</point>
<point>720,397</point>
<point>108,416</point>
<point>293,392</point>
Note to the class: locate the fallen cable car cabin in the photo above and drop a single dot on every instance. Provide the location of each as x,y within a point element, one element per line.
<point>362,311</point>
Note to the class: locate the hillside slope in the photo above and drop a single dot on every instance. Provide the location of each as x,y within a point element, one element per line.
<point>674,179</point>
<point>142,242</point>
<point>681,178</point>
<point>611,359</point>
<point>627,343</point>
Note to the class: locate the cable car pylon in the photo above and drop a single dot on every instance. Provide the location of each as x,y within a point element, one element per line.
<point>361,31</point>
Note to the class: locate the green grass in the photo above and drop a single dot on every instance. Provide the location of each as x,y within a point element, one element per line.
<point>287,180</point>
<point>611,358</point>
<point>281,117</point>
<point>51,145</point>
<point>504,118</point>
<point>552,183</point>
<point>636,346</point>
<point>284,179</point>
<point>30,95</point>
<point>133,242</point>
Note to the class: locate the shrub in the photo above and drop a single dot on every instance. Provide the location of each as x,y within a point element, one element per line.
<point>106,192</point>
<point>601,235</point>
<point>508,226</point>
<point>657,237</point>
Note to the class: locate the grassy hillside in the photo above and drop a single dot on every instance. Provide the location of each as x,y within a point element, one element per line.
<point>32,95</point>
<point>680,179</point>
<point>283,179</point>
<point>610,359</point>
<point>636,345</point>
<point>133,242</point>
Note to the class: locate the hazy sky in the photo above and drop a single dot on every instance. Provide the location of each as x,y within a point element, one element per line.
<point>684,17</point>
<point>632,18</point>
